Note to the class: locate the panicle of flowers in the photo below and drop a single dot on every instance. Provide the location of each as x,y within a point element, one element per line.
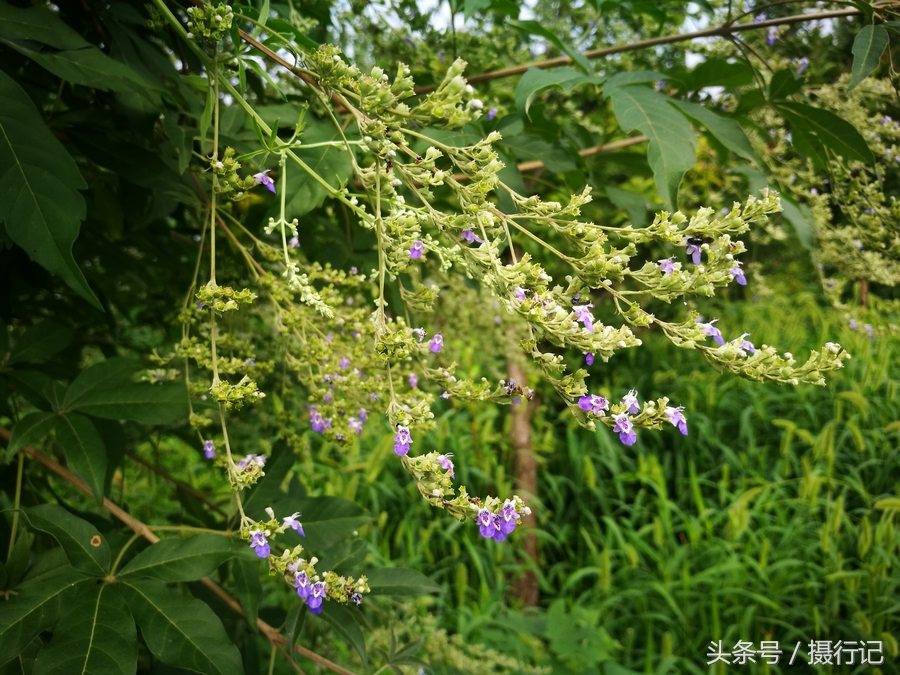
<point>229,183</point>
<point>209,22</point>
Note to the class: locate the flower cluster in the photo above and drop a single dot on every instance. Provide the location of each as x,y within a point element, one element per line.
<point>499,524</point>
<point>209,22</point>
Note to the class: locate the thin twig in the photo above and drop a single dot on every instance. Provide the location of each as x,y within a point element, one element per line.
<point>271,633</point>
<point>179,484</point>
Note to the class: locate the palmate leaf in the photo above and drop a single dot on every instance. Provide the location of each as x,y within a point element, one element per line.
<point>39,183</point>
<point>110,374</point>
<point>181,631</point>
<point>142,402</point>
<point>868,46</point>
<point>95,635</point>
<point>85,450</point>
<point>672,142</point>
<point>35,607</point>
<point>86,550</point>
<point>184,559</point>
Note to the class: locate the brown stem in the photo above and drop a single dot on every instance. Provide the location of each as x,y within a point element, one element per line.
<point>140,528</point>
<point>864,292</point>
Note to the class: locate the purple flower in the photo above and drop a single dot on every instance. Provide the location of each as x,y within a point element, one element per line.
<point>675,416</point>
<point>293,242</point>
<point>852,324</point>
<point>292,522</point>
<point>436,344</point>
<point>492,113</point>
<point>344,362</point>
<point>508,518</point>
<point>588,358</point>
<point>302,584</point>
<point>886,120</point>
<point>316,596</point>
<point>583,314</point>
<point>440,56</point>
<point>759,18</point>
<point>250,363</point>
<point>316,421</point>
<point>470,236</point>
<point>499,534</point>
<point>858,244</point>
<point>408,40</point>
<point>363,415</point>
<point>711,331</point>
<point>413,380</point>
<point>630,400</point>
<point>209,449</point>
<point>419,333</point>
<point>737,274</point>
<point>356,598</point>
<point>263,179</point>
<point>258,543</point>
<point>870,331</point>
<point>416,250</point>
<point>519,293</point>
<point>693,250</point>
<point>625,429</point>
<point>666,266</point>
<point>802,64</point>
<point>659,84</point>
<point>446,464</point>
<point>445,395</point>
<point>356,425</point>
<point>402,440</point>
<point>746,345</point>
<point>485,523</point>
<point>771,35</point>
<point>593,403</point>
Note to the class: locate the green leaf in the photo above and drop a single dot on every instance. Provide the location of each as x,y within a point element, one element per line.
<point>634,204</point>
<point>344,623</point>
<point>40,341</point>
<point>206,116</point>
<point>39,183</point>
<point>181,631</point>
<point>868,46</point>
<point>142,402</point>
<point>38,25</point>
<point>634,77</point>
<point>88,67</point>
<point>400,581</point>
<point>113,373</point>
<point>831,131</point>
<point>78,538</point>
<point>345,556</point>
<point>672,143</point>
<point>719,72</point>
<point>888,503</point>
<point>4,340</point>
<point>802,220</point>
<point>532,27</point>
<point>326,520</point>
<point>17,563</point>
<point>30,429</point>
<point>35,608</point>
<point>95,635</point>
<point>728,132</point>
<point>248,586</point>
<point>784,83</point>
<point>536,80</point>
<point>331,163</point>
<point>85,451</point>
<point>183,559</point>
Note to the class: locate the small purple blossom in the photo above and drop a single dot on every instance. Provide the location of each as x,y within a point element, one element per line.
<point>858,244</point>
<point>630,400</point>
<point>413,380</point>
<point>886,120</point>
<point>263,179</point>
<point>436,344</point>
<point>588,358</point>
<point>316,596</point>
<point>250,363</point>
<point>675,416</point>
<point>446,464</point>
<point>355,424</point>
<point>659,84</point>
<point>485,521</point>
<point>519,293</point>
<point>292,522</point>
<point>470,236</point>
<point>583,314</point>
<point>258,543</point>
<point>316,421</point>
<point>402,440</point>
<point>746,345</point>
<point>344,362</point>
<point>666,266</point>
<point>693,250</point>
<point>209,449</point>
<point>492,113</point>
<point>771,35</point>
<point>356,598</point>
<point>416,250</point>
<point>593,403</point>
<point>302,584</point>
<point>625,429</point>
<point>508,518</point>
<point>293,242</point>
<point>408,40</point>
<point>870,331</point>
<point>445,395</point>
<point>852,324</point>
<point>363,415</point>
<point>711,331</point>
<point>802,64</point>
<point>738,274</point>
